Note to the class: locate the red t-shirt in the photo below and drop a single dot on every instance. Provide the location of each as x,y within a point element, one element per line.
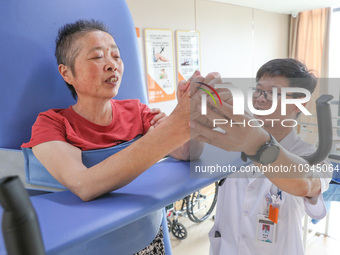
<point>129,119</point>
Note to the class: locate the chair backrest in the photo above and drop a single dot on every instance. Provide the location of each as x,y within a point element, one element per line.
<point>29,78</point>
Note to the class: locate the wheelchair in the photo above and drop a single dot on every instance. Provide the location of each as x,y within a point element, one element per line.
<point>197,206</point>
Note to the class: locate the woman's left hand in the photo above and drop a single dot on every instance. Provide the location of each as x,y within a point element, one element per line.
<point>159,118</point>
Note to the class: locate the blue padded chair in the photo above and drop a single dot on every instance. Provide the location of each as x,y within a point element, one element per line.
<point>30,82</point>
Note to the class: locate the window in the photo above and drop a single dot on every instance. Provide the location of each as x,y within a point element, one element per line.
<point>334,74</point>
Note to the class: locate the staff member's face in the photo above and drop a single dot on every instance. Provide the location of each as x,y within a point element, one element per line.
<point>263,102</point>
<point>98,68</point>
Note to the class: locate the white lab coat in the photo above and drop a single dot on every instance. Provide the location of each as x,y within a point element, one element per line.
<point>242,198</point>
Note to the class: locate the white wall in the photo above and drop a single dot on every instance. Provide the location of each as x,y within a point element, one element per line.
<point>235,41</point>
<point>226,38</point>
<point>271,32</point>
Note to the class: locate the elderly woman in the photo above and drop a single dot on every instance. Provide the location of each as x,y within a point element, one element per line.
<point>89,62</point>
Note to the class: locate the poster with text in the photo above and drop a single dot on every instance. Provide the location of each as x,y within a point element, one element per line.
<point>188,53</point>
<point>160,65</point>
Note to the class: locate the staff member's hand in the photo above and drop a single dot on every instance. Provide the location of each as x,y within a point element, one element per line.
<point>236,137</point>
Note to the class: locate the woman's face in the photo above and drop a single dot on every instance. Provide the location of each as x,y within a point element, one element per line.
<point>98,68</point>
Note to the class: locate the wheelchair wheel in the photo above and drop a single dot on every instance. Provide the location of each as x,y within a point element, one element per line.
<point>201,203</point>
<point>179,231</point>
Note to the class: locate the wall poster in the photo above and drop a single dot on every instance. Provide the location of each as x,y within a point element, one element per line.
<point>160,65</point>
<point>188,53</point>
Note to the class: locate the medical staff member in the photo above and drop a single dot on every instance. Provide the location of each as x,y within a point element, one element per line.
<point>253,201</point>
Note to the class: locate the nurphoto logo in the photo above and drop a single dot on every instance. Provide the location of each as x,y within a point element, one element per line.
<point>239,102</point>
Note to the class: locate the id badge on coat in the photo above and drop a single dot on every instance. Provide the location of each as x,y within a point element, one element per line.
<point>265,229</point>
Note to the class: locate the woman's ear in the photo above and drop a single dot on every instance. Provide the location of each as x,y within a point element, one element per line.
<point>66,73</point>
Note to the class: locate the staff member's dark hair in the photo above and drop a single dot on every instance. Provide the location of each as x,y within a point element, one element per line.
<point>292,69</point>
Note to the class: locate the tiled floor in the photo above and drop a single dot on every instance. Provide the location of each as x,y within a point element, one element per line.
<point>327,245</point>
<point>197,242</point>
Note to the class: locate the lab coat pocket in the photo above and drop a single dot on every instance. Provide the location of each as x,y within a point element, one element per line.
<point>215,241</point>
<point>274,197</point>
